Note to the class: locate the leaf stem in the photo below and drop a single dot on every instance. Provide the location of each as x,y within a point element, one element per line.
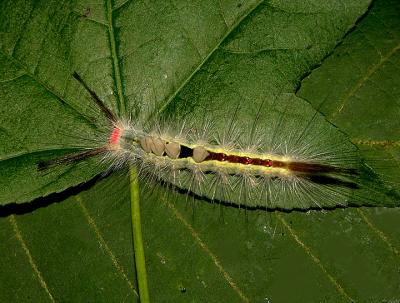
<point>137,237</point>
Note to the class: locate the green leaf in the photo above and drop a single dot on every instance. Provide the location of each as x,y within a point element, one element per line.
<point>141,58</point>
<point>80,249</point>
<point>357,88</point>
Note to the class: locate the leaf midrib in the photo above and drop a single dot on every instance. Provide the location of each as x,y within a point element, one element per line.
<point>116,62</point>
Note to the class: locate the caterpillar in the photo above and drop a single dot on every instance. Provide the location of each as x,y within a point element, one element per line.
<point>287,157</point>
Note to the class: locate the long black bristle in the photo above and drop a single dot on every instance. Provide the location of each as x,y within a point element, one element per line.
<point>109,114</point>
<point>71,158</point>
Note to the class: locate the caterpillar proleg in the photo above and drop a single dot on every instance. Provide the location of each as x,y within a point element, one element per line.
<point>288,157</point>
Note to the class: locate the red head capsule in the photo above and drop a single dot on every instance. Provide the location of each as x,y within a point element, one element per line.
<point>114,138</point>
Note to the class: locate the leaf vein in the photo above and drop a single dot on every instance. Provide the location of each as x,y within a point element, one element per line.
<point>316,260</point>
<point>121,5</point>
<point>383,143</point>
<point>185,32</point>
<point>35,268</point>
<point>207,250</point>
<point>379,232</point>
<point>104,244</point>
<point>41,83</point>
<point>200,65</point>
<point>88,18</point>
<point>363,79</point>
<point>221,13</point>
<point>116,64</point>
<point>16,44</point>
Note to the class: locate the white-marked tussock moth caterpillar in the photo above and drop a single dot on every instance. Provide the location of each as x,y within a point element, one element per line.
<point>287,157</point>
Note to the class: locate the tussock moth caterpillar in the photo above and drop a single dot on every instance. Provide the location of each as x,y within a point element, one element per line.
<point>287,157</point>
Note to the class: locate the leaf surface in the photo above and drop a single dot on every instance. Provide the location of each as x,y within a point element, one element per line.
<point>357,88</point>
<point>80,249</point>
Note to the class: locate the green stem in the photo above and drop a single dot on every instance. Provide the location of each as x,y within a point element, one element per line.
<point>137,238</point>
